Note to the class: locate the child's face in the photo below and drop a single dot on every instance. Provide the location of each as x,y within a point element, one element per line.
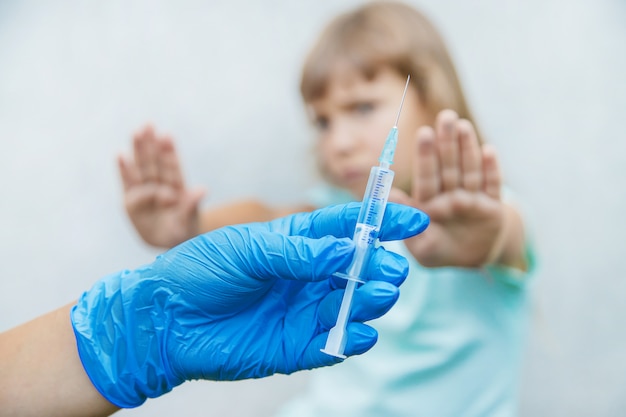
<point>353,119</point>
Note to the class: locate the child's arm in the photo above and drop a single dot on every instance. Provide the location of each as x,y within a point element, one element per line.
<point>458,182</point>
<point>247,211</point>
<point>160,206</point>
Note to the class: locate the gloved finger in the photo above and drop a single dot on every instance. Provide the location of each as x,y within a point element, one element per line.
<point>360,339</point>
<point>382,266</point>
<point>371,300</point>
<point>402,222</point>
<point>399,222</point>
<point>313,356</point>
<point>387,266</point>
<point>274,255</point>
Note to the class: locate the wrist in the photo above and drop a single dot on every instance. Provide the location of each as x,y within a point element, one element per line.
<point>508,248</point>
<point>117,344</point>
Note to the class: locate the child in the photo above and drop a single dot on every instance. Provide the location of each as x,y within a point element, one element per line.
<point>452,344</point>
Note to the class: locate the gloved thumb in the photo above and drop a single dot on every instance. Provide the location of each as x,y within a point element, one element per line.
<point>275,255</point>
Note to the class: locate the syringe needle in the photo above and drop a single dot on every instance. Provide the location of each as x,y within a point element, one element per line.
<point>386,157</point>
<point>402,101</point>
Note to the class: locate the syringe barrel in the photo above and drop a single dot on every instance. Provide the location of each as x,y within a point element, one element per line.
<point>376,196</point>
<point>370,219</point>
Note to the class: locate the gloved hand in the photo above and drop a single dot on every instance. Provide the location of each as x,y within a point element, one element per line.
<point>240,302</point>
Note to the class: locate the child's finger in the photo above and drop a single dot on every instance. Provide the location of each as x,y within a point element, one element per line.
<point>471,158</point>
<point>448,147</point>
<point>426,179</point>
<point>398,196</point>
<point>169,164</point>
<point>128,172</point>
<point>145,154</point>
<point>491,172</point>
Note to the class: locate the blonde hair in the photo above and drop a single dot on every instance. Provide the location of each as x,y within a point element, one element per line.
<point>393,35</point>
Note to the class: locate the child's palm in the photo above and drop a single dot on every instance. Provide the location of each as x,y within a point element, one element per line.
<point>161,208</point>
<point>463,230</point>
<point>457,183</point>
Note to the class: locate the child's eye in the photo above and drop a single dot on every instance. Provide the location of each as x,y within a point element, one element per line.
<point>364,108</point>
<point>321,123</point>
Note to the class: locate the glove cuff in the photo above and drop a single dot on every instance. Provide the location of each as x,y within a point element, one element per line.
<point>117,342</point>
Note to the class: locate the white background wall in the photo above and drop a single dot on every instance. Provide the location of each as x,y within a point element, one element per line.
<point>77,78</point>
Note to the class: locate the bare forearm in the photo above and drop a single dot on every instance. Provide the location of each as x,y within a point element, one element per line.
<point>41,372</point>
<point>248,211</point>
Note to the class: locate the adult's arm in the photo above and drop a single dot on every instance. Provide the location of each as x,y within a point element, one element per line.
<point>41,373</point>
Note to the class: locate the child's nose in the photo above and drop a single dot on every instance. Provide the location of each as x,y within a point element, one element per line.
<point>342,139</point>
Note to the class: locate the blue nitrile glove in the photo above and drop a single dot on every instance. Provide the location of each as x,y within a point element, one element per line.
<point>240,302</point>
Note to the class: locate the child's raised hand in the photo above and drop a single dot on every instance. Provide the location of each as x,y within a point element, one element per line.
<point>161,208</point>
<point>457,183</point>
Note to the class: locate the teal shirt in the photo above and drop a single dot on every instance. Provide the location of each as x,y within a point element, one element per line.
<point>451,346</point>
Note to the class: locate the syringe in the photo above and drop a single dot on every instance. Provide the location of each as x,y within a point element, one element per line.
<point>365,234</point>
